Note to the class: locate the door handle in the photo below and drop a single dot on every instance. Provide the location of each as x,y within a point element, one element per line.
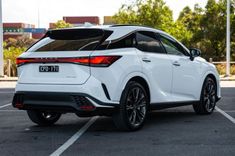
<point>176,63</point>
<point>146,60</point>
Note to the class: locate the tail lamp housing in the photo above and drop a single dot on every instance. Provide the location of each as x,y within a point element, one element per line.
<point>95,61</point>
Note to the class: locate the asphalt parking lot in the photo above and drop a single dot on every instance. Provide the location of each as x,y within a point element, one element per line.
<point>176,131</point>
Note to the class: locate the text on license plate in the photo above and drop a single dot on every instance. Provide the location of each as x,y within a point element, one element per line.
<point>48,68</point>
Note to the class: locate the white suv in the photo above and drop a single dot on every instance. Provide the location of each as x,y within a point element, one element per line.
<point>121,71</point>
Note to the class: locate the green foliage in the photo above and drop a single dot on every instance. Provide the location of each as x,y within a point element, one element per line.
<point>11,53</point>
<point>19,42</point>
<point>209,28</point>
<point>222,69</point>
<point>62,24</point>
<point>180,32</point>
<point>12,48</point>
<point>200,28</point>
<point>152,13</point>
<point>232,70</point>
<point>4,44</point>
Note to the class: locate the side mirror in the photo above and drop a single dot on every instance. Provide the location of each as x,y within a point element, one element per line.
<point>194,52</point>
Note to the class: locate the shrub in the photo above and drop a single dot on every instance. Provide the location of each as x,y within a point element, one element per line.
<point>11,54</point>
<point>232,69</point>
<point>12,49</point>
<point>19,42</point>
<point>222,69</point>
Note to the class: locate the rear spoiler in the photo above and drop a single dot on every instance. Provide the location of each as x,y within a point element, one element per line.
<point>76,34</point>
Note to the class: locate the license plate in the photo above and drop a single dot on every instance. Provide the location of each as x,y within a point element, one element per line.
<point>48,68</point>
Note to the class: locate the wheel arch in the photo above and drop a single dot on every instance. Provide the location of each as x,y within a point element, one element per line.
<point>143,82</point>
<point>212,76</point>
<point>138,77</point>
<point>216,80</point>
<point>216,85</point>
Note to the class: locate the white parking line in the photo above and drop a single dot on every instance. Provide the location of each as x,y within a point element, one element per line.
<point>6,92</point>
<point>75,137</point>
<point>7,110</point>
<point>229,111</point>
<point>225,114</point>
<point>6,105</point>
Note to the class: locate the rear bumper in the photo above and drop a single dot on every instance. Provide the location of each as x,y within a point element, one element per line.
<point>80,103</point>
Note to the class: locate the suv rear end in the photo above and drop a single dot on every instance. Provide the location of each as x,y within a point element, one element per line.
<point>55,73</point>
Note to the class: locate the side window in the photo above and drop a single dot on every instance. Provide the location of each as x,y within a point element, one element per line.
<point>171,46</point>
<point>147,42</point>
<point>126,42</point>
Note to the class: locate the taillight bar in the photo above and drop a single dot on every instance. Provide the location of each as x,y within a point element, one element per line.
<point>97,61</point>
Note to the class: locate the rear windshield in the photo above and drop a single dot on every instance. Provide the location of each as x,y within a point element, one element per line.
<point>70,40</point>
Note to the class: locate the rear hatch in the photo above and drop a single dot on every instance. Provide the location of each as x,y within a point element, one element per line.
<point>60,57</point>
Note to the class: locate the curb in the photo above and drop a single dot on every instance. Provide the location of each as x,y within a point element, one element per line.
<point>222,78</point>
<point>8,80</point>
<point>13,79</point>
<point>227,79</point>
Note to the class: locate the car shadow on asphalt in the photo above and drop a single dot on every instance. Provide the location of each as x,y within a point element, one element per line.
<point>105,124</point>
<point>64,125</point>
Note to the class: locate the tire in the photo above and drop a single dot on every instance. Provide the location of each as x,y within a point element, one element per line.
<point>43,118</point>
<point>133,108</point>
<point>208,98</point>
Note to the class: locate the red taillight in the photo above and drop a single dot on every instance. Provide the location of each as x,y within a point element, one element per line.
<point>20,61</point>
<point>87,107</point>
<point>103,60</point>
<point>19,105</point>
<point>98,61</point>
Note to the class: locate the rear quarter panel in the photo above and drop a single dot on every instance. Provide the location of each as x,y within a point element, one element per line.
<point>116,75</point>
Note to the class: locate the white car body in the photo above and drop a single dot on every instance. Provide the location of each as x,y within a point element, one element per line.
<point>170,78</point>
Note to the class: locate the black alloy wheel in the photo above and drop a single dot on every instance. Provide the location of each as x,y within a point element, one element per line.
<point>133,107</point>
<point>208,98</point>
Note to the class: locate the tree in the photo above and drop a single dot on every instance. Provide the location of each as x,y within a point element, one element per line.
<point>190,19</point>
<point>214,28</point>
<point>208,27</point>
<point>185,13</point>
<point>180,32</point>
<point>19,42</point>
<point>233,30</point>
<point>62,24</point>
<point>12,48</point>
<point>153,13</point>
<point>213,24</point>
<point>200,28</point>
<point>11,53</point>
<point>4,44</point>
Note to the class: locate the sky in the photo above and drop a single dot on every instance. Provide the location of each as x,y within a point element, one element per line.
<point>29,11</point>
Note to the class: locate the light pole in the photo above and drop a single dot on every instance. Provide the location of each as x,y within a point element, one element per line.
<point>228,40</point>
<point>39,14</point>
<point>1,40</point>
